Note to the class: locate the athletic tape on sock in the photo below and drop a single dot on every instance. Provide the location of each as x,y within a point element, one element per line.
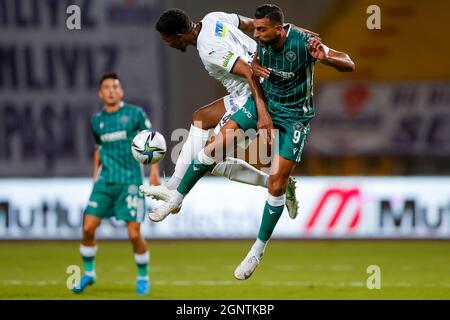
<point>142,258</point>
<point>276,201</point>
<point>88,251</point>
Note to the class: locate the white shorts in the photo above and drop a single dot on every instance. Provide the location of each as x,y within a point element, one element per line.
<point>232,104</point>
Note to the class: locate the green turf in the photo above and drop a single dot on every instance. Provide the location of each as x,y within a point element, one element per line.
<point>204,270</point>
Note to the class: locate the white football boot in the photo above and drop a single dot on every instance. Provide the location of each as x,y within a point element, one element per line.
<point>160,192</point>
<point>172,205</point>
<point>245,269</point>
<point>291,199</point>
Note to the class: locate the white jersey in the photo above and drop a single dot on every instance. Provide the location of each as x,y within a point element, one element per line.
<point>220,44</point>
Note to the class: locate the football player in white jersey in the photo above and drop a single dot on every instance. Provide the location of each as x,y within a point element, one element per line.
<point>226,52</point>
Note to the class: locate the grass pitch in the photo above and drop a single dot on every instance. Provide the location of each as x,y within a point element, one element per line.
<point>204,270</point>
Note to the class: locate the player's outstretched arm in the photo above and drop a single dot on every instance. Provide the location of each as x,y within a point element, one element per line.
<point>154,175</point>
<point>330,57</point>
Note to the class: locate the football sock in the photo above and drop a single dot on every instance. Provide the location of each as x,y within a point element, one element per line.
<point>240,171</point>
<point>272,213</point>
<point>88,255</point>
<point>198,168</point>
<point>258,247</point>
<point>194,143</point>
<point>142,261</point>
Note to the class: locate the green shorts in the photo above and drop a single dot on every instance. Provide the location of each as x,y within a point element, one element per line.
<point>292,129</point>
<point>123,201</point>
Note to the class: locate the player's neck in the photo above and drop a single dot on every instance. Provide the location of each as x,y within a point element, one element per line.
<point>110,108</point>
<point>195,32</point>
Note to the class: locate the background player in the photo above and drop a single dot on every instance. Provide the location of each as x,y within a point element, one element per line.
<point>289,55</point>
<point>117,176</point>
<point>226,53</point>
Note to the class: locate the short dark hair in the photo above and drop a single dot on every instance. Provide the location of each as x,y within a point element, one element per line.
<point>172,22</point>
<point>108,75</point>
<point>271,12</point>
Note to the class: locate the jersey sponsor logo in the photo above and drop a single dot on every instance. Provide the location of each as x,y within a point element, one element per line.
<point>114,136</point>
<point>291,56</point>
<point>221,30</point>
<point>247,113</point>
<point>335,202</point>
<point>282,74</point>
<point>227,58</point>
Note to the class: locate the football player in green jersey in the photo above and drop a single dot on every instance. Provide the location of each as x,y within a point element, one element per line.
<point>280,109</point>
<point>117,177</point>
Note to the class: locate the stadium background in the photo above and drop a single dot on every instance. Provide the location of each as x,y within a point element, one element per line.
<point>376,165</point>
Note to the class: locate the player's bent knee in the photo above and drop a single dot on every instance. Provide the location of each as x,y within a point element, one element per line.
<point>89,232</point>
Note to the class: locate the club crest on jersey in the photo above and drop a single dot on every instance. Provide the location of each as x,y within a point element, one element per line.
<point>221,30</point>
<point>291,56</point>
<point>101,125</point>
<point>124,119</point>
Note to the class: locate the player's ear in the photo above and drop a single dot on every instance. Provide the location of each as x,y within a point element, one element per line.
<point>278,29</point>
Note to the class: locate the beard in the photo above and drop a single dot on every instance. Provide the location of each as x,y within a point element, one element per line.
<point>270,42</point>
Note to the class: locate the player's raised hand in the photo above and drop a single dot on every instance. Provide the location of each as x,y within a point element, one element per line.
<point>316,49</point>
<point>259,70</point>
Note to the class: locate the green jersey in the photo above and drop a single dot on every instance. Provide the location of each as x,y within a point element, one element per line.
<point>113,133</point>
<point>290,84</point>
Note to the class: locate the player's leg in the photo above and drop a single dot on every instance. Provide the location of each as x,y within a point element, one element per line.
<point>210,116</point>
<point>276,198</point>
<point>207,157</point>
<point>202,163</point>
<point>290,142</point>
<point>141,257</point>
<point>99,207</point>
<point>88,250</point>
<point>129,206</point>
<point>203,119</point>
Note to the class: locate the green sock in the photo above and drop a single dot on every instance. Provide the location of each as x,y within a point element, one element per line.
<point>272,213</point>
<point>194,173</point>
<point>142,270</point>
<point>142,262</point>
<point>88,255</point>
<point>89,265</point>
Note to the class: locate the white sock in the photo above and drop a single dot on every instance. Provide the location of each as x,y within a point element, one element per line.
<point>173,183</point>
<point>258,247</point>
<point>194,143</point>
<point>240,171</point>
